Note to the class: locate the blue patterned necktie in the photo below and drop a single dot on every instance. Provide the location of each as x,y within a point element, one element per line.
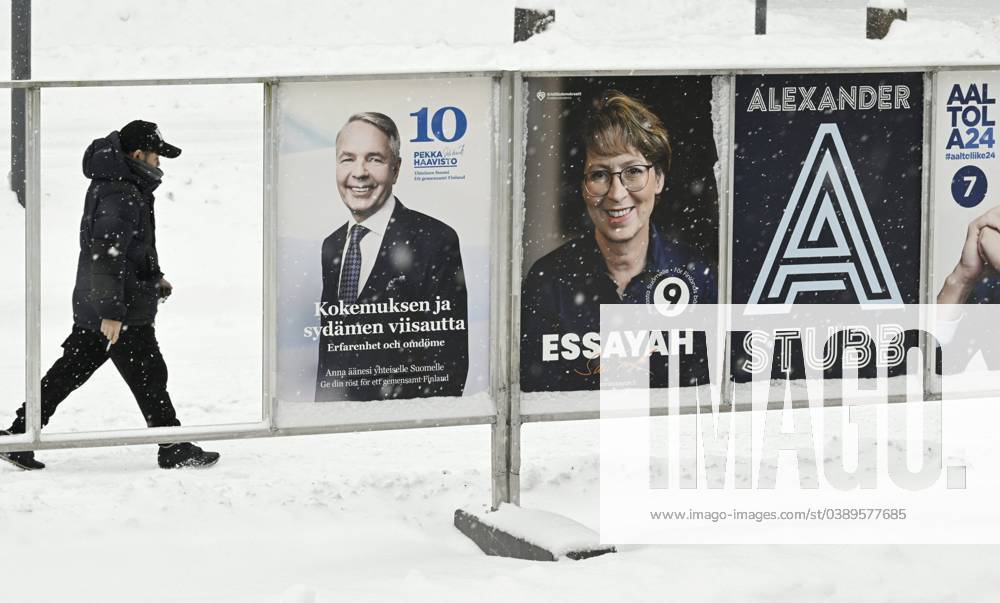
<point>352,265</point>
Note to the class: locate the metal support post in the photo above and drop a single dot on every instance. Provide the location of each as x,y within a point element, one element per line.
<point>20,69</point>
<point>760,27</point>
<point>726,197</point>
<point>501,269</point>
<point>878,20</point>
<point>516,232</point>
<point>531,21</point>
<point>928,346</point>
<point>33,264</point>
<point>269,278</point>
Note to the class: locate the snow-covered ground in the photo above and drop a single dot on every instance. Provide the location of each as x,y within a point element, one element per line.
<point>367,517</point>
<point>265,37</point>
<point>363,517</point>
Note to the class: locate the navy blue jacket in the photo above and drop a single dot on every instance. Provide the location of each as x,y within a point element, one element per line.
<point>563,292</point>
<point>118,271</point>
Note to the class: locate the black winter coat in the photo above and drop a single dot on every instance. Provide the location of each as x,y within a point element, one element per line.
<point>118,272</point>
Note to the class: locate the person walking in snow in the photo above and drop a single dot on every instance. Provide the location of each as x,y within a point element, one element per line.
<point>119,285</point>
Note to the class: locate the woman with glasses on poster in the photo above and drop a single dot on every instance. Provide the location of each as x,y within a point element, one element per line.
<point>623,259</point>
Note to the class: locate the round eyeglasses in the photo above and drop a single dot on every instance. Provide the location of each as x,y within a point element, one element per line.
<point>633,178</point>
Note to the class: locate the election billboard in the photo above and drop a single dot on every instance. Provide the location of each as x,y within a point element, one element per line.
<point>827,190</point>
<point>966,170</point>
<point>383,242</point>
<point>966,214</point>
<point>621,205</point>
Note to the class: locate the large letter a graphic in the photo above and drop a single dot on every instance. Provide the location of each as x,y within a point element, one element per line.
<point>826,240</point>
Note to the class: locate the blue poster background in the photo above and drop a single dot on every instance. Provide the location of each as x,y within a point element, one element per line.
<point>884,146</point>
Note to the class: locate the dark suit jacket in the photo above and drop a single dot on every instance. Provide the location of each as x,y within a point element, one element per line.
<point>419,260</point>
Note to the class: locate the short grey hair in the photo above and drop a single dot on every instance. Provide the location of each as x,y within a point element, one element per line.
<point>384,124</point>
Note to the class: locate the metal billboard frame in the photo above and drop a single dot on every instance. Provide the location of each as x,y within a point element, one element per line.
<point>33,439</point>
<point>508,201</point>
<point>726,191</point>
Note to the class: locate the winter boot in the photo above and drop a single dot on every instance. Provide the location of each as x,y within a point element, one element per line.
<point>184,454</point>
<point>22,460</point>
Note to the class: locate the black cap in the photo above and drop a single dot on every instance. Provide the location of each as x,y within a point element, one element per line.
<point>141,135</point>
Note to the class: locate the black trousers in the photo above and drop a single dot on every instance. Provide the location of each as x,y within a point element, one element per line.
<point>137,357</point>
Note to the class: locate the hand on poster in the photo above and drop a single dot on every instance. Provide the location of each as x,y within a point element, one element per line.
<point>980,252</point>
<point>989,246</point>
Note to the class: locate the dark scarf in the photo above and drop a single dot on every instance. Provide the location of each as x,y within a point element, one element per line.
<point>149,176</point>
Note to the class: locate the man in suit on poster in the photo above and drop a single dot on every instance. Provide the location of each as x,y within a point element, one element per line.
<point>394,307</point>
